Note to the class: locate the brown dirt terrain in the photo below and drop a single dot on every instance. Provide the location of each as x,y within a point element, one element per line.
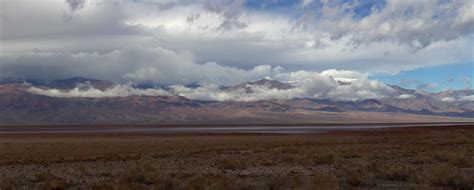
<point>402,158</point>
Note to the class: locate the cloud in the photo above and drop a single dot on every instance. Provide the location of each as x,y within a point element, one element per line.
<point>448,99</point>
<point>461,98</point>
<point>416,24</point>
<point>230,10</point>
<point>214,93</point>
<point>305,3</point>
<point>75,4</point>
<point>136,64</point>
<point>335,84</point>
<point>330,84</point>
<point>91,92</point>
<point>467,98</point>
<point>231,34</point>
<point>405,96</point>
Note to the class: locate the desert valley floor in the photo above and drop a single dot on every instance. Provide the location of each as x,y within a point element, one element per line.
<point>439,157</point>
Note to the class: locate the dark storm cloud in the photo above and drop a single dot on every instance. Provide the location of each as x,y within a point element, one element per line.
<point>230,10</point>
<point>75,4</point>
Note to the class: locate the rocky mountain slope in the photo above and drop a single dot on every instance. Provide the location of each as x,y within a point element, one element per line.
<point>21,106</point>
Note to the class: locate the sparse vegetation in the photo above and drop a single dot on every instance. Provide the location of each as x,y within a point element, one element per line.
<point>325,180</point>
<point>397,158</point>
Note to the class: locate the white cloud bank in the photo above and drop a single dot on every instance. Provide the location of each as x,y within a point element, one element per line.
<point>91,92</point>
<point>448,99</point>
<point>135,64</point>
<point>467,98</point>
<point>405,96</point>
<point>330,84</point>
<point>127,39</point>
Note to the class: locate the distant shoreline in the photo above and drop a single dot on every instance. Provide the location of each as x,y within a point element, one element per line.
<point>215,129</point>
<point>228,124</point>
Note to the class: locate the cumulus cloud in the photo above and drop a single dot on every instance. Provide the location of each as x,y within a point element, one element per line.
<point>136,64</point>
<point>232,34</point>
<point>334,84</point>
<point>417,24</point>
<point>324,85</point>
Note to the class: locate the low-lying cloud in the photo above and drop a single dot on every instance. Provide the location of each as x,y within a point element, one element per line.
<point>467,98</point>
<point>87,91</point>
<point>405,96</point>
<point>330,84</point>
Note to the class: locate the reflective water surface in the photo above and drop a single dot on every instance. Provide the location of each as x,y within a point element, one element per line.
<point>267,129</point>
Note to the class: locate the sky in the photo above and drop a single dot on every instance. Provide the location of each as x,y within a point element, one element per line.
<point>433,78</point>
<point>419,44</point>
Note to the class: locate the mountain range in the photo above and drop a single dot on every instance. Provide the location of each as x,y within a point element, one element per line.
<point>22,106</point>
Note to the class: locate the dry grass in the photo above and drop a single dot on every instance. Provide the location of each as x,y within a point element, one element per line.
<point>399,158</point>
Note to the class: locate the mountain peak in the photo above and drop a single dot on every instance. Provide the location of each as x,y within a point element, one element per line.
<point>270,83</point>
<point>264,82</point>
